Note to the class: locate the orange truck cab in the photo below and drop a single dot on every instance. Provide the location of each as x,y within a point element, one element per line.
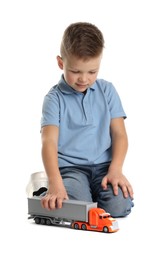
<point>98,220</point>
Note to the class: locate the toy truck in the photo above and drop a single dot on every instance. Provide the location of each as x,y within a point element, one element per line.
<point>75,214</point>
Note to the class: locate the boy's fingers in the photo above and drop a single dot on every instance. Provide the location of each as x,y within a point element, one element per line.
<point>48,202</point>
<point>59,203</point>
<point>104,183</point>
<point>115,189</point>
<point>130,190</point>
<point>125,190</point>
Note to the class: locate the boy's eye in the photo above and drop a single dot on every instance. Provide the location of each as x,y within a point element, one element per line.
<point>75,72</point>
<point>92,72</point>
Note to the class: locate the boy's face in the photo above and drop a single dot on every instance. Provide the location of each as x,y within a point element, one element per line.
<point>78,73</point>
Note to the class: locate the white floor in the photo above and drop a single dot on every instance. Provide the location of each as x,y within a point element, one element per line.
<point>30,36</point>
<point>138,237</point>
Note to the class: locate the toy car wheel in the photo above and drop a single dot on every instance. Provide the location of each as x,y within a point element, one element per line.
<point>105,229</point>
<point>42,221</point>
<point>83,227</point>
<point>48,222</point>
<point>37,220</point>
<point>76,226</point>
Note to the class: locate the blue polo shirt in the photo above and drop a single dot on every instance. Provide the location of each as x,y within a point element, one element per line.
<point>83,121</point>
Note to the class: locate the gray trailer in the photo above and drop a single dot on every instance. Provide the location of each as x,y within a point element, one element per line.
<point>72,210</point>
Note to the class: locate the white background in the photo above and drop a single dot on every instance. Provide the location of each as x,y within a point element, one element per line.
<point>30,35</point>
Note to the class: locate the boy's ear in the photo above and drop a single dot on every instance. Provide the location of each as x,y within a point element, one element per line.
<point>60,62</point>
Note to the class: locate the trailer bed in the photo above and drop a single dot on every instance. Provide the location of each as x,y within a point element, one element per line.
<point>71,209</point>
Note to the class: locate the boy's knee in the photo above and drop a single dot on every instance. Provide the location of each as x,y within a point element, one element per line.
<point>116,205</point>
<point>120,207</point>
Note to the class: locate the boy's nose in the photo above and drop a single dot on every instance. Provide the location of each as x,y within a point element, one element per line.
<point>82,78</point>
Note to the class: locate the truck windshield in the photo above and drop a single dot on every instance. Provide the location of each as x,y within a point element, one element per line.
<point>105,215</point>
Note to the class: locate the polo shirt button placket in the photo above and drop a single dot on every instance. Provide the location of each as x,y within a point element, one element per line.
<point>87,109</point>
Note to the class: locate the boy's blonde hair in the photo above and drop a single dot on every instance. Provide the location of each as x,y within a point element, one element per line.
<point>82,40</point>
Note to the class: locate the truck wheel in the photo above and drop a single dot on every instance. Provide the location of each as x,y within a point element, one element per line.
<point>76,226</point>
<point>48,222</point>
<point>105,229</point>
<point>83,227</point>
<point>37,220</point>
<point>43,222</point>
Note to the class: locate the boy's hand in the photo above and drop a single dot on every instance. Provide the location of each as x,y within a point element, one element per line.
<point>54,198</point>
<point>117,179</point>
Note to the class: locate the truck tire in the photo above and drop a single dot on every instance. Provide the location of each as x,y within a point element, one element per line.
<point>105,229</point>
<point>37,220</point>
<point>76,226</point>
<point>43,221</point>
<point>83,227</point>
<point>48,222</point>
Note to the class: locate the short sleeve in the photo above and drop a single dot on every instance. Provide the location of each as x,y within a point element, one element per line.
<point>50,110</point>
<point>114,102</point>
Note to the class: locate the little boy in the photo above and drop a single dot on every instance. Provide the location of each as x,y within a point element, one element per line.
<point>84,141</point>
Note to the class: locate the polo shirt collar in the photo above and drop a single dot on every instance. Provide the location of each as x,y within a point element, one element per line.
<point>66,89</point>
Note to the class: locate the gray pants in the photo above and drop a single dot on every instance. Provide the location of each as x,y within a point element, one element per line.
<point>84,183</point>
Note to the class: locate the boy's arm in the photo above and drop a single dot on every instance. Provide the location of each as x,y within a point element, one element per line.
<point>56,191</point>
<point>119,150</point>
